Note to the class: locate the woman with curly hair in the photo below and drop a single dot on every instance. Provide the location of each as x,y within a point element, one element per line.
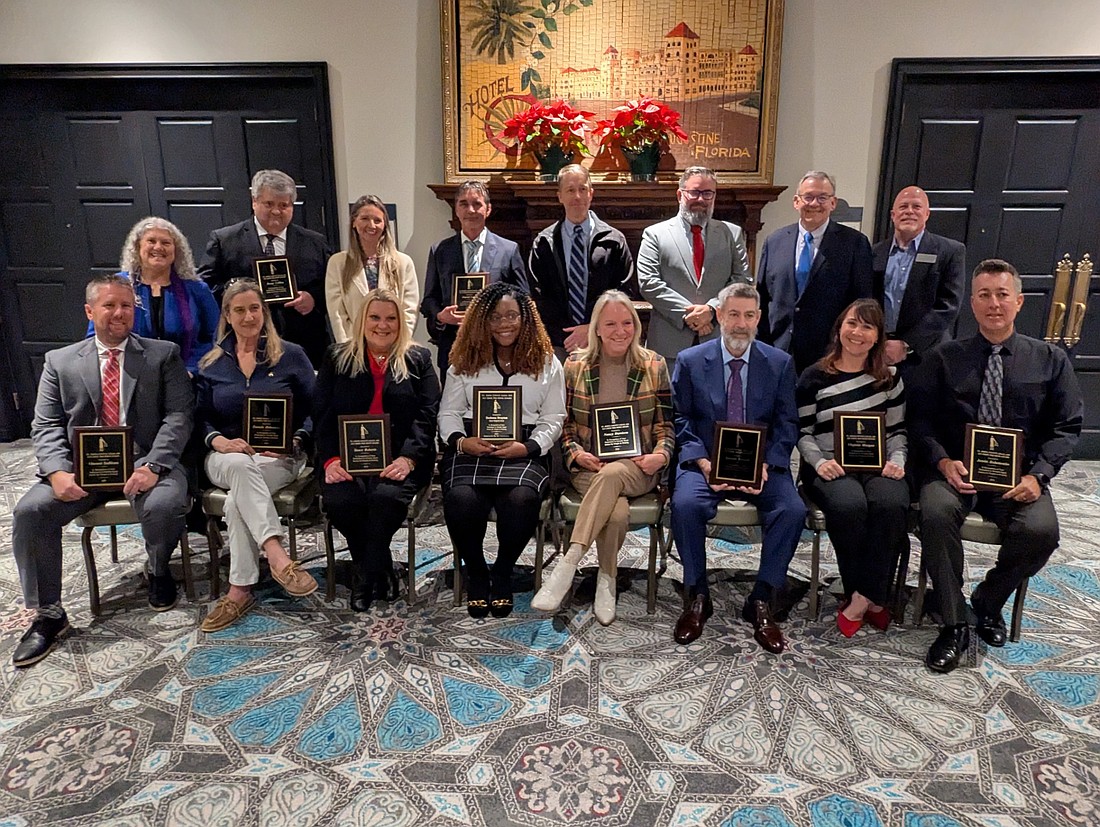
<point>173,303</point>
<point>613,367</point>
<point>501,342</point>
<point>371,261</point>
<point>866,510</point>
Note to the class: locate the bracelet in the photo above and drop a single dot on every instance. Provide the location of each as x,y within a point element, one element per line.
<point>411,463</point>
<point>458,445</point>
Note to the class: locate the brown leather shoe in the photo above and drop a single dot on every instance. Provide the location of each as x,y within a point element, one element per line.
<point>690,624</point>
<point>296,581</point>
<point>765,629</point>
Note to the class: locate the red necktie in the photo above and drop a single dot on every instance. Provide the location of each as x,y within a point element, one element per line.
<point>697,251</point>
<point>110,389</point>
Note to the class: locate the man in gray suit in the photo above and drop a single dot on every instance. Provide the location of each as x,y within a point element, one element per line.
<point>114,378</point>
<point>683,263</point>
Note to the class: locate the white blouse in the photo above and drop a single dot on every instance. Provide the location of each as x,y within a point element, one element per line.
<point>543,400</point>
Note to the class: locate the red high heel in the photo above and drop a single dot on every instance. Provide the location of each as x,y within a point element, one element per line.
<point>880,619</point>
<point>847,627</point>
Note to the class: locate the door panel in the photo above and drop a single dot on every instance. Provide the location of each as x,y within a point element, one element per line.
<point>90,150</point>
<point>1008,152</point>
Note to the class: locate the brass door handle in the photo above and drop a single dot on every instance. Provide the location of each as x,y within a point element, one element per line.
<point>1081,282</point>
<point>1056,317</point>
<point>1076,324</point>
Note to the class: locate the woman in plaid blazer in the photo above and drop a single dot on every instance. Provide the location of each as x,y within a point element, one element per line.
<point>613,368</point>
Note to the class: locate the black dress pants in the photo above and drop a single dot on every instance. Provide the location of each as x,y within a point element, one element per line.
<point>466,509</point>
<point>368,511</point>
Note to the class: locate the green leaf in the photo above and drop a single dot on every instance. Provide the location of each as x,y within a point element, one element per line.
<point>535,74</point>
<point>525,79</point>
<point>551,24</point>
<point>539,13</point>
<point>544,39</point>
<point>538,55</point>
<point>546,3</point>
<point>528,24</point>
<point>572,7</point>
<point>587,2</point>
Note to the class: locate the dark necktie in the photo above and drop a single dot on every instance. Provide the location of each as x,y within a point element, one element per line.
<point>578,276</point>
<point>697,251</point>
<point>269,248</point>
<point>110,389</point>
<point>735,397</point>
<point>989,404</point>
<point>805,261</point>
<point>471,255</point>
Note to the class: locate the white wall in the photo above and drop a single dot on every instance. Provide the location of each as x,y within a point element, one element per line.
<point>383,58</point>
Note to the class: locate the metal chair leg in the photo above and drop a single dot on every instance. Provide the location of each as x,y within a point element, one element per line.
<point>215,544</point>
<point>293,534</point>
<point>114,544</point>
<point>815,574</point>
<point>900,577</point>
<point>922,584</point>
<point>539,543</point>
<point>651,569</point>
<point>188,577</point>
<point>1018,610</point>
<point>330,563</point>
<point>89,567</point>
<point>458,581</point>
<point>412,560</point>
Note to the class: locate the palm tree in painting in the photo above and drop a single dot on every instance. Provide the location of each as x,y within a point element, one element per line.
<point>496,25</point>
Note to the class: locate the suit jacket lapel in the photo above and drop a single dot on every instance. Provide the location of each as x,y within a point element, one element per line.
<point>488,253</point>
<point>679,238</point>
<point>133,368</point>
<point>634,382</point>
<point>757,368</point>
<point>560,257</point>
<point>715,379</point>
<point>89,372</point>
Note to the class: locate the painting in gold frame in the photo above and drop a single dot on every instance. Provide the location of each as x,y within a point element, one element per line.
<point>714,61</point>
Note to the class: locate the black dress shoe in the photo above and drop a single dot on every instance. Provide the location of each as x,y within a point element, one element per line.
<point>766,631</point>
<point>362,592</point>
<point>947,650</point>
<point>39,640</point>
<point>162,592</point>
<point>386,586</point>
<point>477,597</point>
<point>501,605</point>
<point>991,629</point>
<point>695,615</point>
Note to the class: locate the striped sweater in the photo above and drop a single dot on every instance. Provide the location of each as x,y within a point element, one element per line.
<point>819,395</point>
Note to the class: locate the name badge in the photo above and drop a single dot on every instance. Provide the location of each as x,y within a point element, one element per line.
<point>926,258</point>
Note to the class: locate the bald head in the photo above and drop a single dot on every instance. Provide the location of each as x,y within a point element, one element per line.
<point>909,214</point>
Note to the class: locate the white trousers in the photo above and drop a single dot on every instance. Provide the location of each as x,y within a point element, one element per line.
<point>249,511</point>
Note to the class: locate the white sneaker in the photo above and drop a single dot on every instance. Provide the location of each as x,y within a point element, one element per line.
<point>554,589</point>
<point>604,604</point>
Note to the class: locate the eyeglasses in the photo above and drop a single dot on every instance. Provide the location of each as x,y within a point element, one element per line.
<point>814,199</point>
<point>700,195</point>
<point>497,319</point>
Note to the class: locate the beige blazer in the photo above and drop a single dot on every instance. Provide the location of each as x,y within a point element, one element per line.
<point>346,305</point>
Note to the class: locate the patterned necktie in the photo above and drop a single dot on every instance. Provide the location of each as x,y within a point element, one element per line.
<point>110,389</point>
<point>805,261</point>
<point>989,404</point>
<point>471,255</point>
<point>269,248</point>
<point>578,276</point>
<point>697,252</point>
<point>735,397</point>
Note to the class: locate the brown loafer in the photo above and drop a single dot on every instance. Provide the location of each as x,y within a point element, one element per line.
<point>690,625</point>
<point>294,580</point>
<point>225,613</point>
<point>765,630</point>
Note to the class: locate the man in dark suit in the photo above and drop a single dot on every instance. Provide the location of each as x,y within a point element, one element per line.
<point>734,378</point>
<point>999,378</point>
<point>269,233</point>
<point>112,379</point>
<point>918,278</point>
<point>471,250</point>
<point>809,272</point>
<point>574,260</point>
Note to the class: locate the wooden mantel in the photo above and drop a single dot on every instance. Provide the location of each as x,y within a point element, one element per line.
<point>522,208</point>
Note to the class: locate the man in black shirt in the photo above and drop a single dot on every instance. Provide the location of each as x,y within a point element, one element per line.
<point>1001,378</point>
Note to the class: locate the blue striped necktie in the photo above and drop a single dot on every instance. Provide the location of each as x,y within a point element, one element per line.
<point>989,403</point>
<point>805,260</point>
<point>578,276</point>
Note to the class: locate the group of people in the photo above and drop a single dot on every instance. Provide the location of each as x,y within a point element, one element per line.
<point>831,324</point>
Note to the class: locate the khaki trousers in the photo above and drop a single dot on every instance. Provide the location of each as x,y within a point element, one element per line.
<point>604,511</point>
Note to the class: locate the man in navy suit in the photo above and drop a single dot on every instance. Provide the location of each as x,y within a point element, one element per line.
<point>565,285</point>
<point>269,233</point>
<point>471,250</point>
<point>809,272</point>
<point>736,379</point>
<point>918,279</point>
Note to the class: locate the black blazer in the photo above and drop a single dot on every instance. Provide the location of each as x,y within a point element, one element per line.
<point>500,259</point>
<point>930,304</point>
<point>841,273</point>
<point>412,404</point>
<point>610,267</point>
<point>229,255</point>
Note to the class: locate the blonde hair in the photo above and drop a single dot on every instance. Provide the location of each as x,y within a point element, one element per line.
<point>389,276</point>
<point>636,354</point>
<point>273,352</point>
<point>350,357</point>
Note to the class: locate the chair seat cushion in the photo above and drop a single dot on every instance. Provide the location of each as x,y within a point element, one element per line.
<point>112,512</point>
<point>290,500</point>
<point>736,512</point>
<point>644,510</point>
<point>977,529</point>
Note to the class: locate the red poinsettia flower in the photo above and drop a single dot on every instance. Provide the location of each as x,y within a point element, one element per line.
<point>544,125</point>
<point>640,122</point>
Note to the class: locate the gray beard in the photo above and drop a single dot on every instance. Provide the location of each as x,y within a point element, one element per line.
<point>737,345</point>
<point>695,219</point>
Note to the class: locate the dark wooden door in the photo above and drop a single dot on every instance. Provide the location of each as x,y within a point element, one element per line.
<point>88,151</point>
<point>1009,153</point>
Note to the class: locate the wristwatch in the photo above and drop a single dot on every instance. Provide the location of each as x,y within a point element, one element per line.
<point>1042,479</point>
<point>156,468</point>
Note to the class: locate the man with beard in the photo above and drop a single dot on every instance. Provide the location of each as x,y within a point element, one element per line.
<point>735,379</point>
<point>809,272</point>
<point>683,263</point>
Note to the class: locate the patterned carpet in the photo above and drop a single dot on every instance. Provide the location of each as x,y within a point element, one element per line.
<point>309,714</point>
